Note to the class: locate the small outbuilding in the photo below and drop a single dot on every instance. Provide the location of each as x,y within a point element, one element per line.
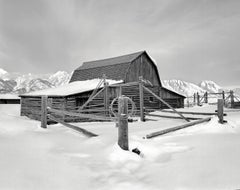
<point>122,73</point>
<point>9,99</point>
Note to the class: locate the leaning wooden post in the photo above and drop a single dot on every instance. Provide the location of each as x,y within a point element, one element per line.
<point>44,100</point>
<point>220,110</point>
<point>141,99</point>
<point>123,123</point>
<point>232,99</point>
<point>206,97</point>
<point>198,99</point>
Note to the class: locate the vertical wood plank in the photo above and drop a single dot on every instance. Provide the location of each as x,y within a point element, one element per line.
<point>44,111</point>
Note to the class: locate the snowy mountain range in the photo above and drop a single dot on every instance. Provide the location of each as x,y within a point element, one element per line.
<point>19,84</point>
<point>16,83</point>
<point>188,89</point>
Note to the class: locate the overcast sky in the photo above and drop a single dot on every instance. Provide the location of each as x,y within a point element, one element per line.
<point>188,39</point>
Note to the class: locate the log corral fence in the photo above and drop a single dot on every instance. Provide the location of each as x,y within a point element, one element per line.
<point>230,99</point>
<point>121,107</point>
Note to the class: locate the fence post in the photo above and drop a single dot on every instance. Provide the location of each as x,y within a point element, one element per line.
<point>123,123</point>
<point>106,99</point>
<point>198,99</point>
<point>120,91</point>
<point>44,100</point>
<point>220,110</point>
<point>194,98</point>
<point>206,97</point>
<point>141,99</point>
<point>232,99</point>
<point>223,97</point>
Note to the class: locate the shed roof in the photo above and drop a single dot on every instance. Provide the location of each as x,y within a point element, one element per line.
<point>9,96</point>
<point>70,88</point>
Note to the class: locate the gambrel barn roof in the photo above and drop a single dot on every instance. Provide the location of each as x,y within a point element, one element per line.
<point>114,68</point>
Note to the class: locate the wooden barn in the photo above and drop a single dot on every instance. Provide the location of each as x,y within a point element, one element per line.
<point>121,76</point>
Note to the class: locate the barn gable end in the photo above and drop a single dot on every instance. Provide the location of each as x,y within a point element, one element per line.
<point>145,67</point>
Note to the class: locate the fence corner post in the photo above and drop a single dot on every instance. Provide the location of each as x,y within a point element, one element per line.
<point>44,100</point>
<point>123,123</point>
<point>220,110</point>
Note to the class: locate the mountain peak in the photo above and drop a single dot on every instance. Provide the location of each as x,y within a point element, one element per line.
<point>210,86</point>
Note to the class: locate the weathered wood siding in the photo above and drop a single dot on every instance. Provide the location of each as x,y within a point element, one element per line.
<point>31,107</point>
<point>143,66</point>
<point>174,99</point>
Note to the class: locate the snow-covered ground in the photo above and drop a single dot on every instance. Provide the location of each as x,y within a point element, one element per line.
<point>206,156</point>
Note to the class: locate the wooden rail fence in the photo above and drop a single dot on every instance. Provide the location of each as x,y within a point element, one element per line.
<point>230,99</point>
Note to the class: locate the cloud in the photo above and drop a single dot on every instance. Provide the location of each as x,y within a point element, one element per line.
<point>182,36</point>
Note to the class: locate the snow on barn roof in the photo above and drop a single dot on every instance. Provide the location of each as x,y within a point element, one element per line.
<point>71,88</point>
<point>8,96</point>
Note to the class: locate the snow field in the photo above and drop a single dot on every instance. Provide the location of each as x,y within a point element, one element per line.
<point>206,156</point>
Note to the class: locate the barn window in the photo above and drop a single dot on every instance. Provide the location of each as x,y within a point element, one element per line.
<point>81,101</point>
<point>151,99</point>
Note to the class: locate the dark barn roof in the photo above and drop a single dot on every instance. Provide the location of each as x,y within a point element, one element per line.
<point>114,68</point>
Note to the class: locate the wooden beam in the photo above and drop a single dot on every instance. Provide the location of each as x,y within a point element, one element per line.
<point>190,113</point>
<point>81,130</point>
<point>124,84</point>
<point>171,116</point>
<point>89,116</point>
<point>159,98</point>
<point>165,131</point>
